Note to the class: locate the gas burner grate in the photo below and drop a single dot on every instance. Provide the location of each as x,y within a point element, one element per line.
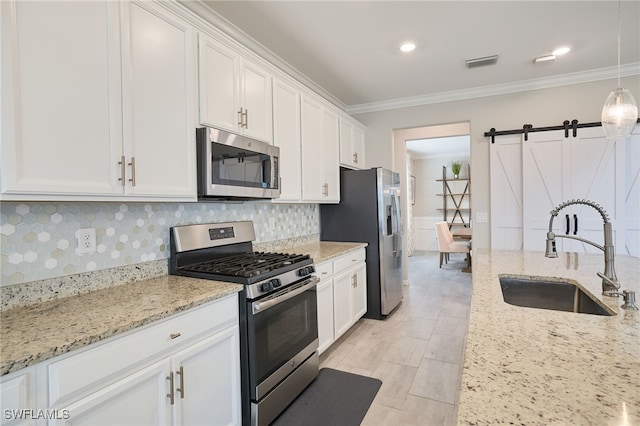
<point>248,264</point>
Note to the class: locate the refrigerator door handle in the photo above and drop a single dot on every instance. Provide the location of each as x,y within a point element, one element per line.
<point>395,200</point>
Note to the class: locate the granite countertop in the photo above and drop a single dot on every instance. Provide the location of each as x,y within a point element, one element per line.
<point>41,331</point>
<point>540,367</point>
<point>35,333</point>
<point>321,251</point>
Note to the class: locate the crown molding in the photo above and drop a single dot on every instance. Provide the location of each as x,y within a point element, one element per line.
<point>499,89</point>
<point>212,17</point>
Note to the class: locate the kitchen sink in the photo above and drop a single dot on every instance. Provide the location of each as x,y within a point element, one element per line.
<point>549,293</point>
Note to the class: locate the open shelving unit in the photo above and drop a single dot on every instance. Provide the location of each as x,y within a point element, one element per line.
<point>456,199</point>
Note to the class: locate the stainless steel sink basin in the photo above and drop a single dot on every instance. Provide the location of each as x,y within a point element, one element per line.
<point>549,293</point>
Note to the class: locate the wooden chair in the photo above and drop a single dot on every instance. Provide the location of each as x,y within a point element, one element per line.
<point>446,243</point>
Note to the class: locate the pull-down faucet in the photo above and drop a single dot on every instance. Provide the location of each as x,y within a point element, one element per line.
<point>610,283</point>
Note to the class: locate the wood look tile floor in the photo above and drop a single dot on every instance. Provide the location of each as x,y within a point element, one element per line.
<point>417,351</point>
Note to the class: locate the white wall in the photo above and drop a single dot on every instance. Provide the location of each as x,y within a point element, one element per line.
<point>544,107</point>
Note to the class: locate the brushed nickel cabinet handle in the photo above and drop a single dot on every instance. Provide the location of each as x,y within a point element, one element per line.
<point>246,118</point>
<point>175,335</point>
<point>355,157</point>
<point>171,395</point>
<point>240,117</point>
<point>181,388</point>
<point>133,171</point>
<point>123,169</point>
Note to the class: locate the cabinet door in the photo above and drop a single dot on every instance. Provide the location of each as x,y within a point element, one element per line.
<point>325,314</point>
<point>18,394</point>
<point>331,155</point>
<point>207,381</point>
<point>61,101</point>
<point>357,143</point>
<point>256,99</point>
<point>346,143</point>
<point>286,136</point>
<point>219,85</point>
<point>139,399</point>
<point>359,292</point>
<point>342,302</point>
<point>158,100</point>
<point>312,152</point>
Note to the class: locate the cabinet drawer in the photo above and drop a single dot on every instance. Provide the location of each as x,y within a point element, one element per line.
<point>105,362</point>
<point>348,260</point>
<point>324,269</point>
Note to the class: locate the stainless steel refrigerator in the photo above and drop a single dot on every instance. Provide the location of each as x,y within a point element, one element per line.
<point>369,211</point>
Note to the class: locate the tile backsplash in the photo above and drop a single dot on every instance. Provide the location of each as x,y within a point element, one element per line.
<point>38,240</point>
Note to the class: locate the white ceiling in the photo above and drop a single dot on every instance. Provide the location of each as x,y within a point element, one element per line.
<point>350,48</point>
<point>439,147</point>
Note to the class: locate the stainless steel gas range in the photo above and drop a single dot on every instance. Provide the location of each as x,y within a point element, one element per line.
<point>278,310</point>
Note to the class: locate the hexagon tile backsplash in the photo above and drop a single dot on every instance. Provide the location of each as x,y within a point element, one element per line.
<point>38,240</point>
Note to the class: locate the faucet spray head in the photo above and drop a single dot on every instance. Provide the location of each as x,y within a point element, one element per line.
<point>551,245</point>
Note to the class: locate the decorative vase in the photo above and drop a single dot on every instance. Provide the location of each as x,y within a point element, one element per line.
<point>455,176</point>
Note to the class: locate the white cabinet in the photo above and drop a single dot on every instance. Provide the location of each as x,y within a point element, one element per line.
<point>351,143</point>
<point>111,113</point>
<point>17,395</point>
<point>235,93</point>
<point>207,381</point>
<point>286,136</point>
<point>342,296</point>
<point>320,152</point>
<point>183,370</point>
<point>349,291</point>
<point>324,271</point>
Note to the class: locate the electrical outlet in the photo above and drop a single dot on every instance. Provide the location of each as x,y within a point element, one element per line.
<point>481,217</point>
<point>86,240</point>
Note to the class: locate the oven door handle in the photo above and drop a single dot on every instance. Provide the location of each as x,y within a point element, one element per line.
<point>257,307</point>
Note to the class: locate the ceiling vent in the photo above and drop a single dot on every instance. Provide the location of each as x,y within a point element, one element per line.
<point>481,62</point>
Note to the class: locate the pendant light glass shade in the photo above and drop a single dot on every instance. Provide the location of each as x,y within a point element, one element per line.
<point>619,114</point>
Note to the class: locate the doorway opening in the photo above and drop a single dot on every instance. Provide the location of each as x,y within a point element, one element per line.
<point>420,154</point>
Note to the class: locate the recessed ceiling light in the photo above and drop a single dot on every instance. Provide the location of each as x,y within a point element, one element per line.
<point>561,51</point>
<point>408,47</point>
<point>546,58</point>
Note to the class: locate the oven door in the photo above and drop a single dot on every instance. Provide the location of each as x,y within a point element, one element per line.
<point>282,333</point>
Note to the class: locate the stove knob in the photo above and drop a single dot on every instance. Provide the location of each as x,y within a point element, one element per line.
<point>266,286</point>
<point>303,272</point>
<point>275,282</point>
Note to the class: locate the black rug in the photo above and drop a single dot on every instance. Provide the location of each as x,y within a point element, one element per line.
<point>334,398</point>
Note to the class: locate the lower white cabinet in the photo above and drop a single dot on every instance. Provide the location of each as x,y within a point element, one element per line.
<point>342,296</point>
<point>18,394</point>
<point>184,370</point>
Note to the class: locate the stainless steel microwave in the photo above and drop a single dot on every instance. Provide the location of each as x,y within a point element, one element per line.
<point>231,166</point>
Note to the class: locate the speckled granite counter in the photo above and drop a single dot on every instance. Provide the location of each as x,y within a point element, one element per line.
<point>539,367</point>
<point>321,251</point>
<point>40,331</point>
<point>32,334</point>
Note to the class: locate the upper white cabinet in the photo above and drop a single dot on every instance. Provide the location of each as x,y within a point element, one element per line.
<point>97,101</point>
<point>286,136</point>
<point>235,93</point>
<point>351,143</point>
<point>320,152</point>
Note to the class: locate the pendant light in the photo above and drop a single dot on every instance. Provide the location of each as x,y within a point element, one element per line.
<point>620,110</point>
